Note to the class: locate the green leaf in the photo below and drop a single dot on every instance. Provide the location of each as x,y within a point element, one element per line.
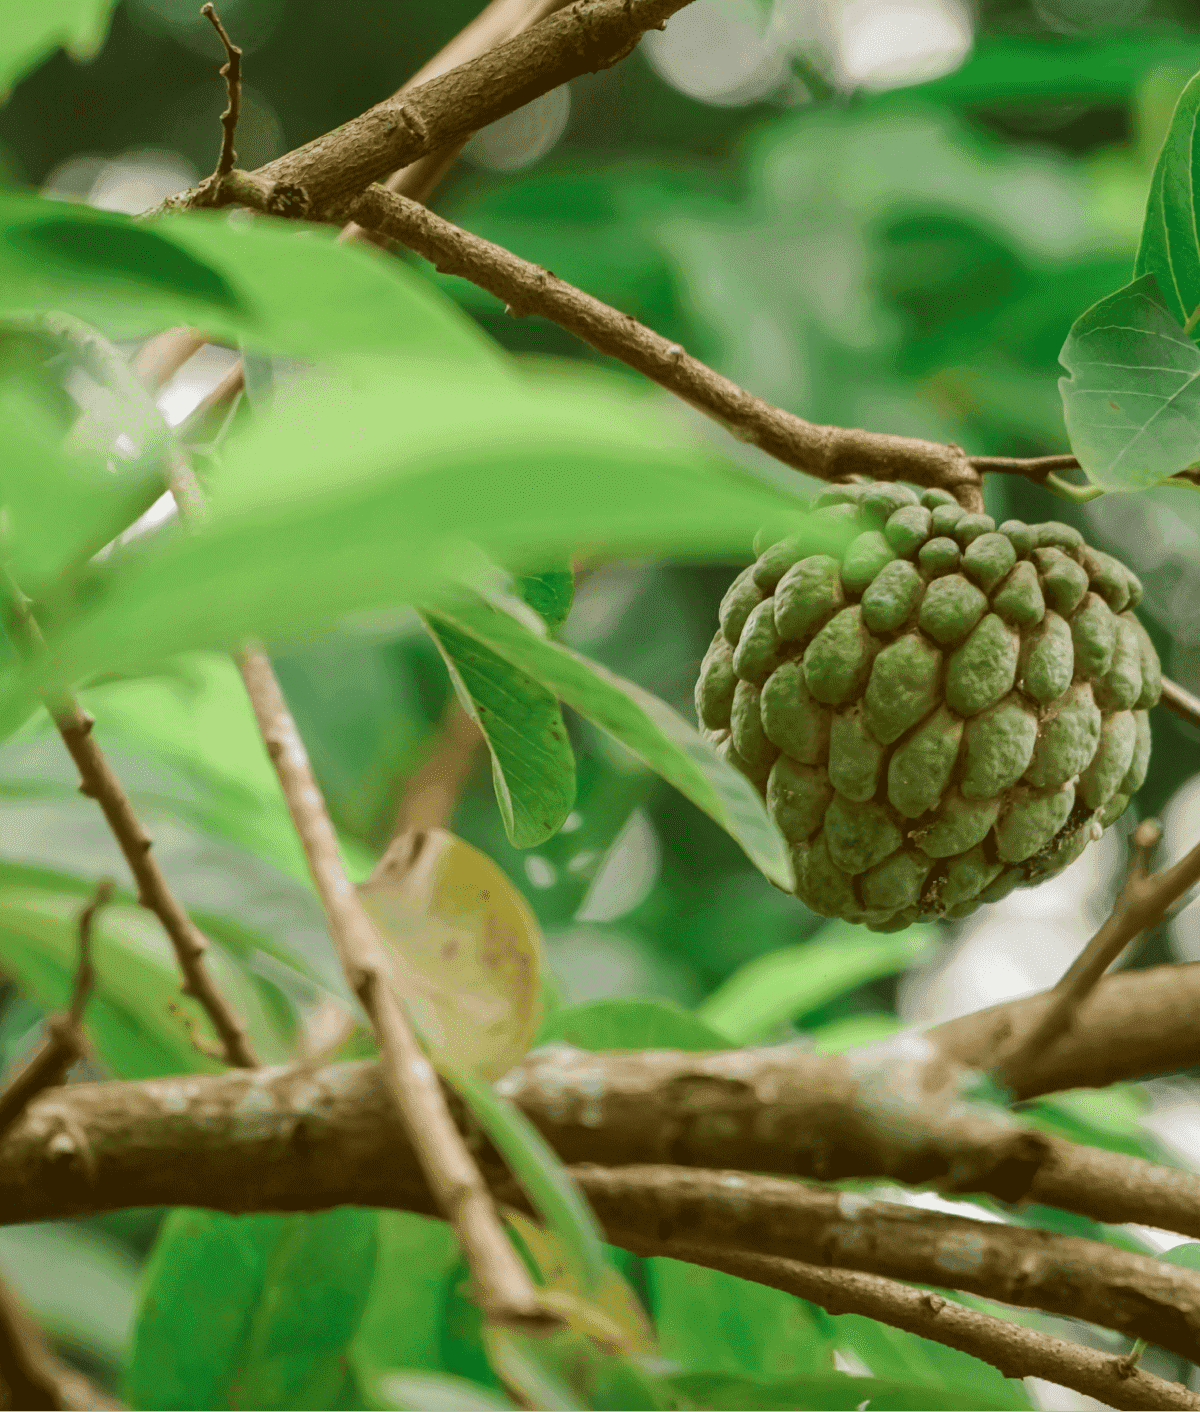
<point>137,977</point>
<point>238,281</point>
<point>1170,245</point>
<point>436,1392</point>
<point>81,1288</point>
<point>252,1311</point>
<point>772,989</point>
<point>540,1173</point>
<point>549,594</point>
<point>605,1026</point>
<point>656,734</point>
<point>1186,1256</point>
<point>1132,402</point>
<point>826,1392</point>
<point>439,459</point>
<point>401,1324</point>
<point>32,33</point>
<point>711,1321</point>
<point>533,765</point>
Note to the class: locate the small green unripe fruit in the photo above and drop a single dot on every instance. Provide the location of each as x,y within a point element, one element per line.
<point>943,712</point>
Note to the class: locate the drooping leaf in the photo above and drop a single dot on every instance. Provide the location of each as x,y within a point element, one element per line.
<point>541,1174</point>
<point>781,985</point>
<point>253,1311</point>
<point>533,765</point>
<point>1170,244</point>
<point>439,460</point>
<point>656,734</point>
<point>1132,401</point>
<point>31,33</point>
<point>237,281</point>
<point>605,1026</point>
<point>468,950</point>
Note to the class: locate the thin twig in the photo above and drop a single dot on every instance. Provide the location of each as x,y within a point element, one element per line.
<point>98,781</point>
<point>30,1375</point>
<point>231,72</point>
<point>502,1285</point>
<point>1016,1351</point>
<point>1181,702</point>
<point>1143,903</point>
<point>66,1039</point>
<point>432,794</point>
<point>831,453</point>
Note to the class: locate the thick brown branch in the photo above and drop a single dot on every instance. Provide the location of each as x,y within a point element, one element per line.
<point>66,1040</point>
<point>502,1285</point>
<point>1016,1351</point>
<point>30,1375</point>
<point>831,453</point>
<point>584,38</point>
<point>99,782</point>
<point>1136,1294</point>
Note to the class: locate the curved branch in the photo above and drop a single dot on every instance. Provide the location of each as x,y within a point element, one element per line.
<point>1016,1351</point>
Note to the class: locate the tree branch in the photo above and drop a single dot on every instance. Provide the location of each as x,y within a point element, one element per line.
<point>432,793</point>
<point>587,36</point>
<point>1182,703</point>
<point>99,782</point>
<point>1016,1351</point>
<point>231,72</point>
<point>66,1040</point>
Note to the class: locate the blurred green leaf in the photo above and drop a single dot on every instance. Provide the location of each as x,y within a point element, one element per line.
<point>726,1393</point>
<point>549,594</point>
<point>436,1392</point>
<point>782,985</point>
<point>401,1324</point>
<point>712,1322</point>
<point>533,766</point>
<point>253,1311</point>
<point>1132,401</point>
<point>655,733</point>
<point>1186,1256</point>
<point>81,1288</point>
<point>541,1175</point>
<point>608,1025</point>
<point>33,32</point>
<point>237,280</point>
<point>376,518</point>
<point>137,977</point>
<point>1170,245</point>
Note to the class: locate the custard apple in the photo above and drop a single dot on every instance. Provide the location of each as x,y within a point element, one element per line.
<point>939,714</point>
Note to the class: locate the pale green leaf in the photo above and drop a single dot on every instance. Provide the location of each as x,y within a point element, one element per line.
<point>32,32</point>
<point>1170,244</point>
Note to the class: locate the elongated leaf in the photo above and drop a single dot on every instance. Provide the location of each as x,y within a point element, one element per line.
<point>1132,402</point>
<point>253,1311</point>
<point>640,721</point>
<point>772,989</point>
<point>440,459</point>
<point>31,33</point>
<point>541,1174</point>
<point>1170,244</point>
<point>533,765</point>
<point>239,282</point>
<point>137,978</point>
<point>609,1025</point>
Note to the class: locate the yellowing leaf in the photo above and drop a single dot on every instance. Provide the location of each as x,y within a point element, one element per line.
<point>469,950</point>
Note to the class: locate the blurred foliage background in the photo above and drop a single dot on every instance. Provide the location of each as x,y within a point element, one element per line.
<point>883,213</point>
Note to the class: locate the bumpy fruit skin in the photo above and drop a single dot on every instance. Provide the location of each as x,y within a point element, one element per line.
<point>943,712</point>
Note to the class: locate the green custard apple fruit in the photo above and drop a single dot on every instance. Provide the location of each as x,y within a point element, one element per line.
<point>939,714</point>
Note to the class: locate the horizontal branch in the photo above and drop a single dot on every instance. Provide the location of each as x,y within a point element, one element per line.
<point>332,1137</point>
<point>1033,1269</point>
<point>1016,1351</point>
<point>587,36</point>
<point>830,453</point>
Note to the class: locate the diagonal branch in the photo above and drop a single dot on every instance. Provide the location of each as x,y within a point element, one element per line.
<point>99,782</point>
<point>1016,1351</point>
<point>66,1040</point>
<point>30,1375</point>
<point>231,72</point>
